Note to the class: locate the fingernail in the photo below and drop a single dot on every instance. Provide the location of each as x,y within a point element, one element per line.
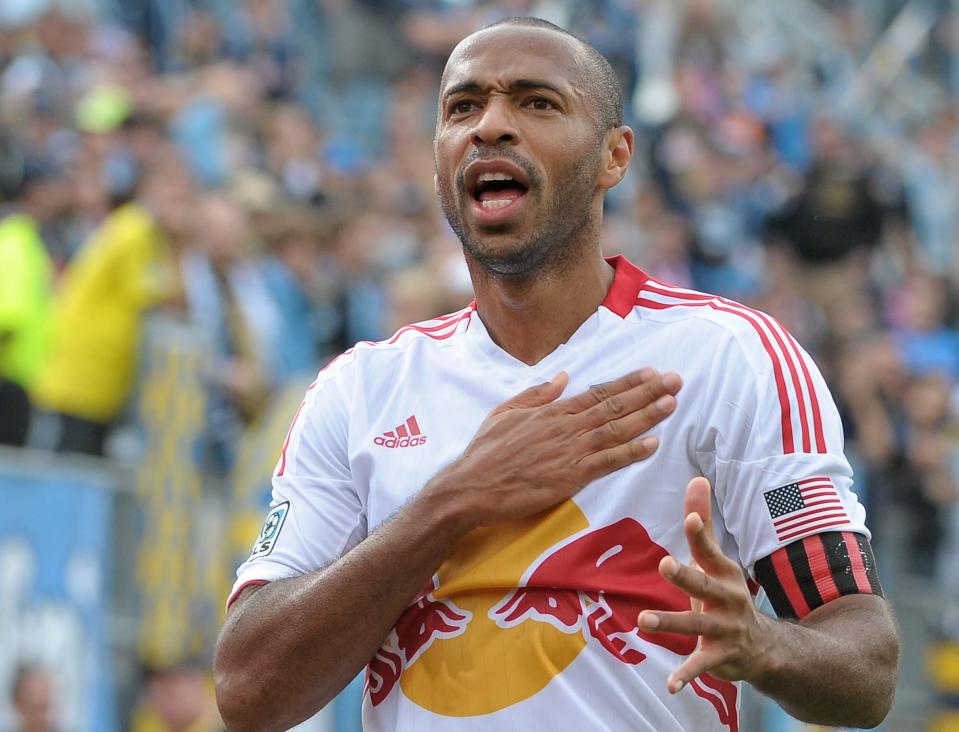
<point>650,620</point>
<point>647,373</point>
<point>556,378</point>
<point>664,403</point>
<point>672,382</point>
<point>649,443</point>
<point>669,566</point>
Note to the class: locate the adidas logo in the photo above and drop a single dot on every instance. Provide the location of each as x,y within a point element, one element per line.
<point>406,435</point>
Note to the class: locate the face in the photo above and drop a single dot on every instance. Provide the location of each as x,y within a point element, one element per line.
<point>518,150</point>
<point>34,703</point>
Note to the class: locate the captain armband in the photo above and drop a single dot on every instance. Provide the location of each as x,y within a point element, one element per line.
<point>807,574</point>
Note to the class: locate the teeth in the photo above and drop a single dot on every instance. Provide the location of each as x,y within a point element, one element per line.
<point>486,177</point>
<point>497,203</point>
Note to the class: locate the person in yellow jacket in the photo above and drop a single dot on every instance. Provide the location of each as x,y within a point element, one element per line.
<point>26,276</point>
<point>122,271</point>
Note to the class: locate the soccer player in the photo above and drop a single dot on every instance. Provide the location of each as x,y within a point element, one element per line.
<point>553,509</point>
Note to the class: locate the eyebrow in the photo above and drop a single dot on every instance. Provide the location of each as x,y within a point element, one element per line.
<point>474,86</point>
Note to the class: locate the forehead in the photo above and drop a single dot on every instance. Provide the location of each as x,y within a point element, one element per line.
<point>504,53</point>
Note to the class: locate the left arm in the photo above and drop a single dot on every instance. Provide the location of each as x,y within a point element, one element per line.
<point>836,666</point>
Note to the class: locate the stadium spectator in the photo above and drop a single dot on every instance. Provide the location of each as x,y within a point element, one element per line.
<point>26,278</point>
<point>123,270</point>
<point>32,695</point>
<point>834,218</point>
<point>176,699</point>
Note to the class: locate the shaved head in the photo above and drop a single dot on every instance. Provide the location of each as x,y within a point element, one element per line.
<point>599,79</point>
<point>540,111</point>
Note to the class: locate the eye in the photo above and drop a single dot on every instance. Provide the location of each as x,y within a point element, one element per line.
<point>540,104</point>
<point>463,106</point>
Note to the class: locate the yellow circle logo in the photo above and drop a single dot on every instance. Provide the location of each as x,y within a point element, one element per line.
<point>516,604</point>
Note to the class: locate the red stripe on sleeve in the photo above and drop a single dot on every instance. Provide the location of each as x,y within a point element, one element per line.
<point>855,559</point>
<point>780,334</point>
<point>286,442</point>
<point>236,594</point>
<point>784,402</point>
<point>819,565</point>
<point>813,398</point>
<point>790,585</point>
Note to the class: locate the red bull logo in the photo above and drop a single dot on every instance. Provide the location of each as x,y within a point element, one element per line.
<point>615,571</point>
<point>534,593</point>
<point>424,622</point>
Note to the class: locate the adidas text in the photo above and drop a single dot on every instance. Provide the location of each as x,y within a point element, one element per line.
<point>400,441</point>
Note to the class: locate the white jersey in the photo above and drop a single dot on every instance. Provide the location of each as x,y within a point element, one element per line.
<point>532,624</point>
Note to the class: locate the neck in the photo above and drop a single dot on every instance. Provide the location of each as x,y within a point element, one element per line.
<point>530,317</point>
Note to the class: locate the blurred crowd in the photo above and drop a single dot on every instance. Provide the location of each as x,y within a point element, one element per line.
<point>263,170</point>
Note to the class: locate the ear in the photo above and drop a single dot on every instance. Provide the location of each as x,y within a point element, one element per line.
<point>617,153</point>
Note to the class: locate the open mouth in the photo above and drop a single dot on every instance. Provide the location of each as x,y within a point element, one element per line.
<point>495,191</point>
<point>498,189</point>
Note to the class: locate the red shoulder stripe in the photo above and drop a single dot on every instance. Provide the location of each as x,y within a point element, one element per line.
<point>786,422</point>
<point>787,347</point>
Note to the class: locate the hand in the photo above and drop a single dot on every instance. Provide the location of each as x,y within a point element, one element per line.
<point>533,451</point>
<point>735,639</point>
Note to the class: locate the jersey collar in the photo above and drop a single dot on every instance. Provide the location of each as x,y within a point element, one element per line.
<point>620,299</point>
<point>628,280</point>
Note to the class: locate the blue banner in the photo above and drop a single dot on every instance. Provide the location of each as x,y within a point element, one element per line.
<point>55,547</point>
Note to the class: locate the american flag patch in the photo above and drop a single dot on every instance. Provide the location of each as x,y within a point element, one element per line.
<point>805,507</point>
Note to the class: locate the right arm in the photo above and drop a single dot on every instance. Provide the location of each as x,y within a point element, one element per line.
<point>287,648</point>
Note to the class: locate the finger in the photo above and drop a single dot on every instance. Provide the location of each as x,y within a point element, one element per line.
<point>597,464</point>
<point>698,499</point>
<point>601,392</point>
<point>694,582</point>
<point>622,404</point>
<point>632,425</point>
<point>685,623</point>
<point>536,396</point>
<point>698,663</point>
<point>698,529</point>
<point>694,602</point>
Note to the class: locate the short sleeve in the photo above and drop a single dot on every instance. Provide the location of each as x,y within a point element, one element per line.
<point>315,514</point>
<point>771,442</point>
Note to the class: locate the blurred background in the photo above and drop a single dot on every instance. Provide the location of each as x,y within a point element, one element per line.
<point>202,201</point>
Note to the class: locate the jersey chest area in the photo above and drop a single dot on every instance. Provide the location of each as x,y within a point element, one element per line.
<point>409,427</point>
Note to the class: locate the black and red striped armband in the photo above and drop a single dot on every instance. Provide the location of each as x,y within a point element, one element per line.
<point>809,573</point>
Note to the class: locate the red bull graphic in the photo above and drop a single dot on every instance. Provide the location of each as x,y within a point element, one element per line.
<point>615,571</point>
<point>424,621</point>
<point>533,592</point>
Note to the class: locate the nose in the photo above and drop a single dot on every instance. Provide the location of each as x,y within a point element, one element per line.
<point>496,125</point>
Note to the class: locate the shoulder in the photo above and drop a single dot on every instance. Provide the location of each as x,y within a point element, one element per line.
<point>727,327</point>
<point>131,217</point>
<point>371,360</point>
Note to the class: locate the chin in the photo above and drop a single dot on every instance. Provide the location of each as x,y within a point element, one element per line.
<point>508,258</point>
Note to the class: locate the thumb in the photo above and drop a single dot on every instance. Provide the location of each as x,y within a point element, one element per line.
<point>536,396</point>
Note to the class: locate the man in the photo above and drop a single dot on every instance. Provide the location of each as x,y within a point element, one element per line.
<point>32,697</point>
<point>27,200</point>
<point>488,507</point>
<point>122,271</point>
